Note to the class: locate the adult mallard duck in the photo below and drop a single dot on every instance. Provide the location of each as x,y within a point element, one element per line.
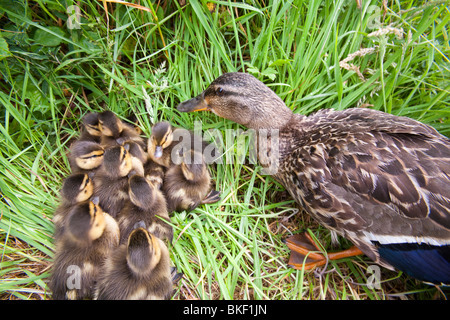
<point>379,180</point>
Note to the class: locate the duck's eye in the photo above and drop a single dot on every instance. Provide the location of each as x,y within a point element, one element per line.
<point>219,91</point>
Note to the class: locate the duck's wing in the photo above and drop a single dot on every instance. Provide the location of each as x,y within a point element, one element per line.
<point>395,161</point>
<point>374,178</point>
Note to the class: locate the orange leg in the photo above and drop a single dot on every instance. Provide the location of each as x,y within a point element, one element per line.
<point>304,253</point>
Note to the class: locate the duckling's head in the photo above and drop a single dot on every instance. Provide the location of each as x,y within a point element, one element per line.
<point>90,123</point>
<point>141,191</point>
<point>161,138</point>
<point>77,188</point>
<point>133,123</point>
<point>110,125</point>
<point>88,155</point>
<point>193,165</point>
<point>144,251</point>
<point>241,98</point>
<point>136,151</point>
<point>137,154</point>
<point>117,161</point>
<point>86,222</point>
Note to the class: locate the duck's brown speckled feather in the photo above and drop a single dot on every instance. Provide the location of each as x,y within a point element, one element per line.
<point>344,164</point>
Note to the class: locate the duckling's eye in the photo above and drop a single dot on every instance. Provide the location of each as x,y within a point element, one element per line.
<point>219,91</point>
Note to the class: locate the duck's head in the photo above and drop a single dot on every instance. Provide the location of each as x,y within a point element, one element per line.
<point>77,188</point>
<point>109,124</point>
<point>241,98</point>
<point>86,222</point>
<point>193,165</point>
<point>90,123</point>
<point>117,161</point>
<point>160,138</point>
<point>88,155</point>
<point>144,251</point>
<point>141,191</point>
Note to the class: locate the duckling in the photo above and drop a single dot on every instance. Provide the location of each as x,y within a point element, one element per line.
<point>138,155</point>
<point>147,204</point>
<point>85,156</point>
<point>111,181</point>
<point>90,130</point>
<point>380,180</point>
<point>167,144</point>
<point>76,189</point>
<point>113,128</point>
<point>187,185</point>
<point>138,270</point>
<point>154,173</point>
<point>89,237</point>
<point>160,146</point>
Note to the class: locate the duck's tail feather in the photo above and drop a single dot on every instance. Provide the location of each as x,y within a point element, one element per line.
<point>428,263</point>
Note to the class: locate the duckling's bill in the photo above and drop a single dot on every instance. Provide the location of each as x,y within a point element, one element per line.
<point>197,103</point>
<point>158,152</point>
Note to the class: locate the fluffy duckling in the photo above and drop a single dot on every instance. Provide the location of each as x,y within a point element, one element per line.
<point>138,155</point>
<point>187,185</point>
<point>111,181</point>
<point>90,130</point>
<point>147,204</point>
<point>90,236</point>
<point>167,144</point>
<point>154,173</point>
<point>138,270</point>
<point>85,156</point>
<point>160,145</point>
<point>76,189</point>
<point>113,128</point>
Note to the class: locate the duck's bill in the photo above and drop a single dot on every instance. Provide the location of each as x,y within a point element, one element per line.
<point>132,173</point>
<point>194,104</point>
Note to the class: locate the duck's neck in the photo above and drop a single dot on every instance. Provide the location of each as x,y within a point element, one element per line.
<point>272,115</point>
<point>275,143</point>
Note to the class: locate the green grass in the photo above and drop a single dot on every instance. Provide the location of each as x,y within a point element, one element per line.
<point>146,63</point>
